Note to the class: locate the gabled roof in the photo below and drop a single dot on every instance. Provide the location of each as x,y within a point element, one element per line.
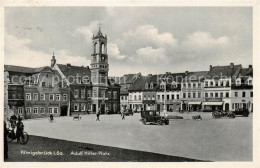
<point>195,76</point>
<point>69,70</point>
<point>177,77</point>
<point>138,85</point>
<point>223,71</point>
<point>21,69</point>
<point>126,79</point>
<point>246,72</point>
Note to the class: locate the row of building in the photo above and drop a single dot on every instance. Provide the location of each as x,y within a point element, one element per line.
<point>224,88</point>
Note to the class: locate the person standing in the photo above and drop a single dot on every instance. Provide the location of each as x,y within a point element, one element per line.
<point>123,115</point>
<point>19,129</point>
<point>98,113</point>
<point>5,142</point>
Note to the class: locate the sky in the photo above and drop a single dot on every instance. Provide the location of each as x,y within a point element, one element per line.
<point>150,40</point>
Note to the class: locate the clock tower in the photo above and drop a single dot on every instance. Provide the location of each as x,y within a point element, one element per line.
<point>99,72</point>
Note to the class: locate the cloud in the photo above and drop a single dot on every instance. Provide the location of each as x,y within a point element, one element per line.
<point>113,52</point>
<point>17,52</point>
<point>204,40</point>
<point>150,54</point>
<point>86,31</point>
<point>149,35</point>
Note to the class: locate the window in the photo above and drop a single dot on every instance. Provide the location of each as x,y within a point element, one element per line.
<point>35,110</point>
<point>163,97</point>
<point>28,110</point>
<point>115,95</point>
<point>184,95</point>
<point>168,97</point>
<point>94,93</point>
<point>76,107</point>
<point>50,110</point>
<point>216,94</point>
<point>50,84</point>
<point>189,85</point>
<point>194,95</point>
<point>199,95</point>
<point>146,86</point>
<point>211,95</point>
<point>55,109</point>
<point>206,94</point>
<point>227,94</point>
<point>35,96</point>
<point>130,97</point>
<point>83,106</point>
<point>103,94</point>
<point>139,97</point>
<point>28,96</point>
<point>65,97</point>
<point>43,84</point>
<point>42,110</point>
<point>194,85</point>
<point>199,84</point>
<point>238,82</point>
<point>158,97</point>
<point>178,96</point>
<point>221,94</point>
<point>172,97</point>
<point>236,94</point>
<point>20,110</point>
<point>211,83</point>
<point>184,85</point>
<point>189,95</point>
<point>162,85</point>
<point>52,97</point>
<point>109,94</point>
<point>250,82</point>
<point>82,93</point>
<point>122,97</point>
<point>151,85</point>
<point>243,94</point>
<point>89,93</point>
<point>42,96</point>
<point>135,97</point>
<point>251,94</point>
<point>153,97</point>
<point>76,93</point>
<point>227,83</point>
<point>144,97</point>
<point>206,84</point>
<point>58,97</point>
<point>216,83</point>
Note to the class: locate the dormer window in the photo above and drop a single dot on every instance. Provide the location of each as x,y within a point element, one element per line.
<point>162,85</point>
<point>146,86</point>
<point>238,81</point>
<point>151,85</point>
<point>174,85</point>
<point>250,82</point>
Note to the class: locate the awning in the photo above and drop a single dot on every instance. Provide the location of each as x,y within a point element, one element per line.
<point>213,103</point>
<point>194,103</point>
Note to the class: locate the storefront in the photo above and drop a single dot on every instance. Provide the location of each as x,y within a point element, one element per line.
<point>213,106</point>
<point>194,106</point>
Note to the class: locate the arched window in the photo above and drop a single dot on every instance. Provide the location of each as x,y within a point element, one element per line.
<point>151,85</point>
<point>102,48</point>
<point>95,48</point>
<point>146,86</point>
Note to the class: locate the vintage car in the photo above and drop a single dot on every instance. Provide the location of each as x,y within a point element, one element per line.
<point>128,112</point>
<point>243,112</point>
<point>152,116</point>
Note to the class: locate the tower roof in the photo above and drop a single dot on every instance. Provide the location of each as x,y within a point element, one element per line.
<point>99,34</point>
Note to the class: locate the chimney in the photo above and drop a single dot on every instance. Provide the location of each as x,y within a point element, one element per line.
<point>186,73</point>
<point>250,67</point>
<point>232,65</point>
<point>87,67</point>
<point>53,60</point>
<point>210,67</point>
<point>69,65</point>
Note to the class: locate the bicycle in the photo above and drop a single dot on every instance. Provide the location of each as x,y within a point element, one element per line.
<point>23,139</point>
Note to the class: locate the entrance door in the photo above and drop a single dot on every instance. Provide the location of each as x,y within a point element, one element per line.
<point>63,110</point>
<point>94,108</point>
<point>226,107</point>
<point>158,106</point>
<point>102,108</point>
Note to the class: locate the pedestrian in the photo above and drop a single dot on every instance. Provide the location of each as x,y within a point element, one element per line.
<point>5,142</point>
<point>19,129</point>
<point>98,113</point>
<point>123,116</point>
<point>51,118</point>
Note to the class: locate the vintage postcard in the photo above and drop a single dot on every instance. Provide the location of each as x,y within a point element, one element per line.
<point>135,84</point>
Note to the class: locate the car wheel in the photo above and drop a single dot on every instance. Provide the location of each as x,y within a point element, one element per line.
<point>159,122</point>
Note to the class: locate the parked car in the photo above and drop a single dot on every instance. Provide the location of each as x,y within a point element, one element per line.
<point>243,112</point>
<point>128,112</point>
<point>152,116</point>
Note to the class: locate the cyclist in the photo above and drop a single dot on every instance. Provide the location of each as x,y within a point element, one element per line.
<point>19,129</point>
